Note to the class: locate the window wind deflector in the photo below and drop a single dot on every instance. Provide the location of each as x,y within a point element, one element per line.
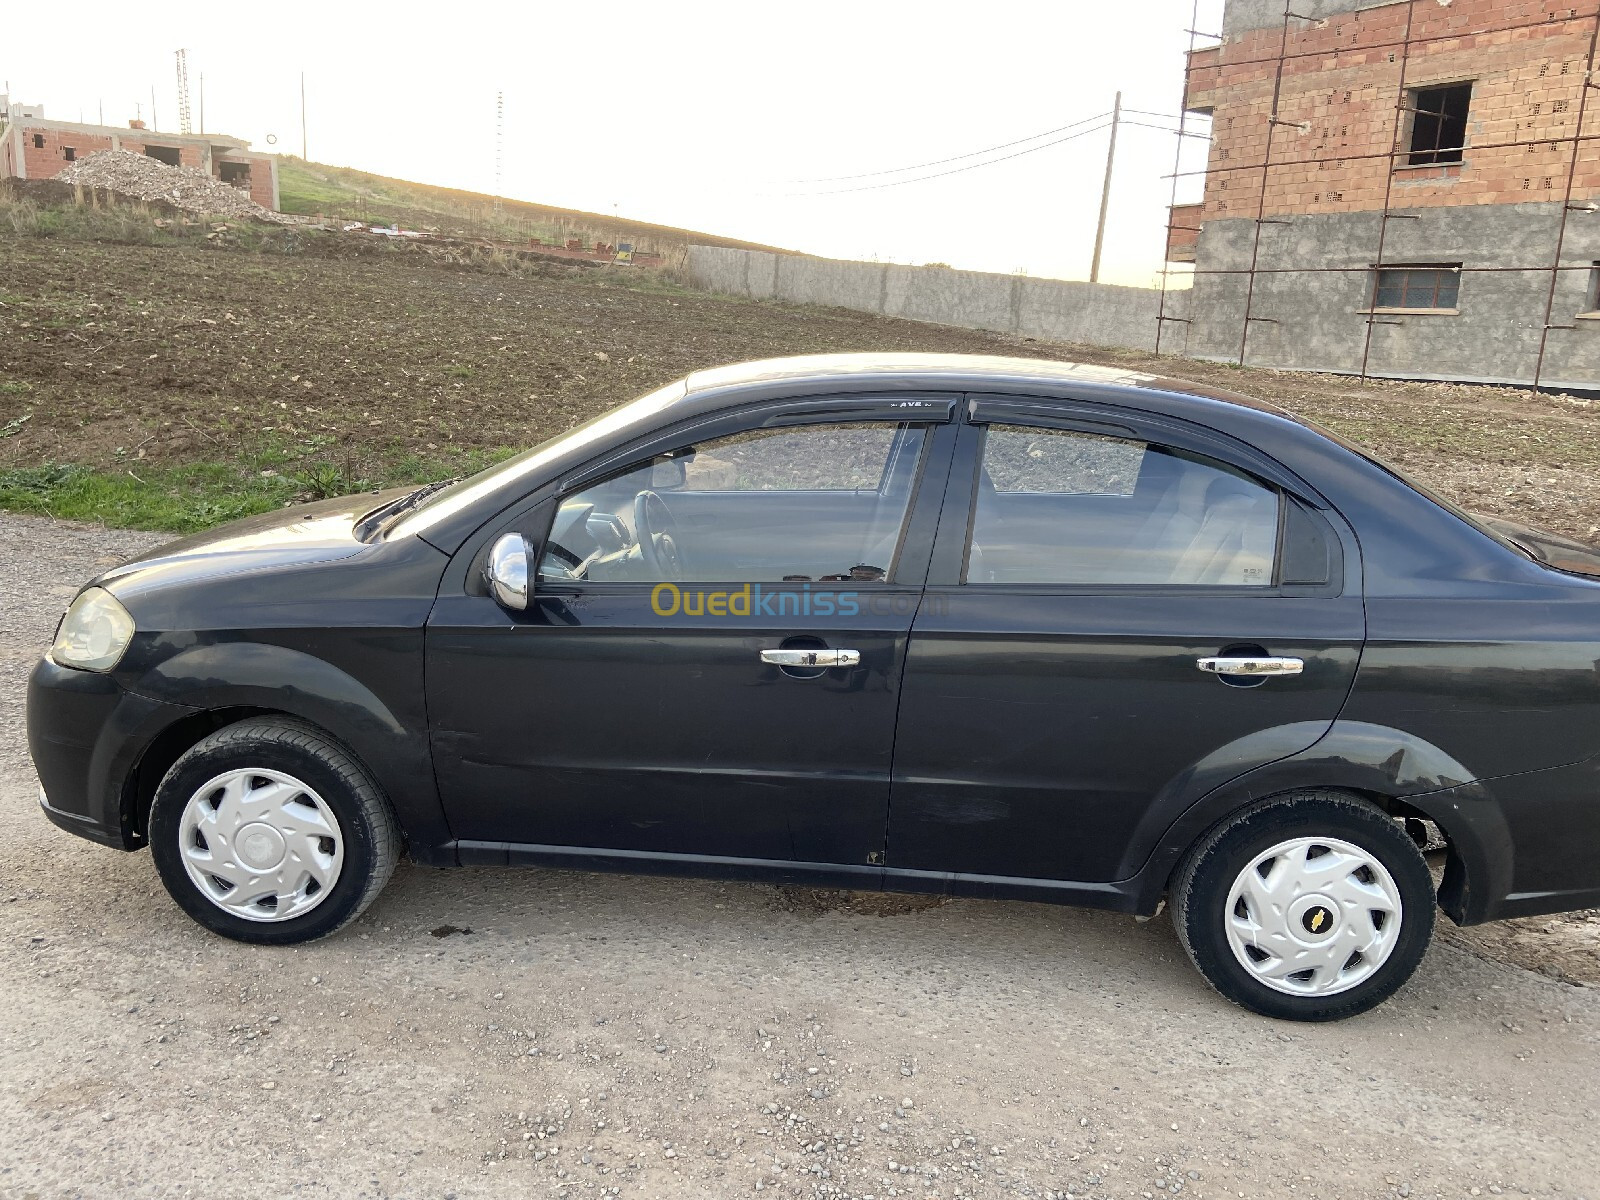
<point>936,410</point>
<point>991,412</point>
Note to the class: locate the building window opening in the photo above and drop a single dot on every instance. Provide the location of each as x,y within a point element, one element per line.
<point>1591,299</point>
<point>1439,124</point>
<point>70,153</point>
<point>1429,287</point>
<point>166,154</point>
<point>38,141</point>
<point>236,173</point>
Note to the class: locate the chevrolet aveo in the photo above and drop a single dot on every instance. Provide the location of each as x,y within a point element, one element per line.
<point>976,626</point>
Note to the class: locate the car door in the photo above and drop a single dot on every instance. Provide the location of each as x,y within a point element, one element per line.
<point>660,699</point>
<point>1057,709</point>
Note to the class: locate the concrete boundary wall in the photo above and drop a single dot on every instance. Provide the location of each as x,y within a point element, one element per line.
<point>1092,314</point>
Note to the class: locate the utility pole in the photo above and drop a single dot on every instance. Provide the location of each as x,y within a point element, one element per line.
<point>1105,192</point>
<point>202,101</point>
<point>152,108</point>
<point>304,156</point>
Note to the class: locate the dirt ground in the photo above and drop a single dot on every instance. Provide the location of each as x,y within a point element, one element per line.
<point>504,1033</point>
<point>117,354</point>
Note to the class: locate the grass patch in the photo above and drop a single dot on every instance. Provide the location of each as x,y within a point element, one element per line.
<point>177,500</point>
<point>185,499</point>
<point>317,188</point>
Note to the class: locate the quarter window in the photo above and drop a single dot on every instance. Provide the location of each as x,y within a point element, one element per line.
<point>803,504</point>
<point>1431,286</point>
<point>1065,507</point>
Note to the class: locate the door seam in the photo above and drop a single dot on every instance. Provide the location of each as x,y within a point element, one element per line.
<point>959,423</point>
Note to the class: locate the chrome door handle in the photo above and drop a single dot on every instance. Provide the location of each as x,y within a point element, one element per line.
<point>811,658</point>
<point>1252,666</point>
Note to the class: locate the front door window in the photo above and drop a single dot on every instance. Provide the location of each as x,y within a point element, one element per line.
<point>802,504</point>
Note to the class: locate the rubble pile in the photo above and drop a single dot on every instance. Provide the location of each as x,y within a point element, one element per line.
<point>141,177</point>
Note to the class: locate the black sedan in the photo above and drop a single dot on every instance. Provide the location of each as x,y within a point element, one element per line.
<point>977,626</point>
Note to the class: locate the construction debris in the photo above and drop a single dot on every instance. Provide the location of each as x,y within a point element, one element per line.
<point>140,177</point>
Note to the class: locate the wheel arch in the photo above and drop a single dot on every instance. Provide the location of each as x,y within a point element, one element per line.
<point>153,763</point>
<point>223,682</point>
<point>1396,772</point>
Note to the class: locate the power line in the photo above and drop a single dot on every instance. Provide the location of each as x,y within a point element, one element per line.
<point>957,170</point>
<point>1145,113</point>
<point>1167,129</point>
<point>939,162</point>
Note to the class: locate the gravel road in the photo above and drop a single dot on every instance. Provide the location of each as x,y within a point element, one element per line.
<point>599,1035</point>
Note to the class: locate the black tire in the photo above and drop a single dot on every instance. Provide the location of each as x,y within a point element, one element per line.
<point>1202,886</point>
<point>370,835</point>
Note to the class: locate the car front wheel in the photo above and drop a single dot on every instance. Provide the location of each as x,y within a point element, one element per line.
<point>1311,907</point>
<point>267,831</point>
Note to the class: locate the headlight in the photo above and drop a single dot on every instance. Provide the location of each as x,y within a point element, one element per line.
<point>94,633</point>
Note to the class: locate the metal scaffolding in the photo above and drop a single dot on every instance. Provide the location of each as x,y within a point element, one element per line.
<point>1177,168</point>
<point>1401,54</point>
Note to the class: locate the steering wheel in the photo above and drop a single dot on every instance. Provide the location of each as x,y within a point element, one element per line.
<point>656,530</point>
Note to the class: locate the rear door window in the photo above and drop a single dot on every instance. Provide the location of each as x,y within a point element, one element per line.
<point>1061,506</point>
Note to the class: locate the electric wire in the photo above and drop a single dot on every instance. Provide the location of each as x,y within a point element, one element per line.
<point>939,162</point>
<point>958,170</point>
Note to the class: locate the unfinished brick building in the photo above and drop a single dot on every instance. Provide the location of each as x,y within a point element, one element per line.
<point>32,147</point>
<point>1405,188</point>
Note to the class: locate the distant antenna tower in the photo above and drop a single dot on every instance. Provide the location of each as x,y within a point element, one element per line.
<point>185,125</point>
<point>499,146</point>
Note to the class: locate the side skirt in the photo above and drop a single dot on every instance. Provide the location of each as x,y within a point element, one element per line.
<point>1116,897</point>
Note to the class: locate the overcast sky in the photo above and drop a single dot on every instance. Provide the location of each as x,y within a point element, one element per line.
<point>702,114</point>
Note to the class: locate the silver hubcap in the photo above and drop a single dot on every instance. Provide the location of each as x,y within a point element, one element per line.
<point>261,845</point>
<point>1313,916</point>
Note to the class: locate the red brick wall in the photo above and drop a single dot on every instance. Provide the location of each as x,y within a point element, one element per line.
<point>188,156</point>
<point>47,161</point>
<point>1340,86</point>
<point>260,180</point>
<point>260,174</point>
<point>1183,233</point>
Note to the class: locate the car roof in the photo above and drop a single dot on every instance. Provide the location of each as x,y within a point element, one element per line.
<point>964,372</point>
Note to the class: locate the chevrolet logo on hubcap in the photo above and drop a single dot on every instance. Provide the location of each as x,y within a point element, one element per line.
<point>1316,919</point>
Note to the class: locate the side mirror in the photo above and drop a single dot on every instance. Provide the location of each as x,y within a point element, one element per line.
<point>507,572</point>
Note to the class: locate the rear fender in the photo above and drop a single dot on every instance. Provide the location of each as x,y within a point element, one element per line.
<point>1405,773</point>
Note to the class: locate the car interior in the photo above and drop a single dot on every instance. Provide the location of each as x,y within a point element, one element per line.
<point>810,503</point>
<point>1066,508</point>
<point>826,503</point>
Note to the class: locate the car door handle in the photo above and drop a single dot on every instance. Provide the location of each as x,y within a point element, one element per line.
<point>1252,666</point>
<point>811,658</point>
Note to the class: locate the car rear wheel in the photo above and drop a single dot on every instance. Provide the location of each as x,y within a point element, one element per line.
<point>1311,907</point>
<point>267,831</point>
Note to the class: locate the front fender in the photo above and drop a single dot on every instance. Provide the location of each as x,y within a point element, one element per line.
<point>387,733</point>
<point>1362,757</point>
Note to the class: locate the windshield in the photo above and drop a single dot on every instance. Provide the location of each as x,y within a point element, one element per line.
<point>449,501</point>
